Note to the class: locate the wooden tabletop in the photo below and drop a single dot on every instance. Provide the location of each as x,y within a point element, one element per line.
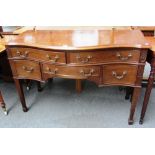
<point>4,40</point>
<point>7,32</point>
<point>10,30</point>
<point>2,45</point>
<point>80,39</point>
<point>2,48</point>
<point>144,28</point>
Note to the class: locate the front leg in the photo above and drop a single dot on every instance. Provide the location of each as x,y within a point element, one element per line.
<point>135,97</point>
<point>2,103</point>
<point>129,92</point>
<point>39,86</point>
<point>21,94</point>
<point>78,85</point>
<point>148,92</point>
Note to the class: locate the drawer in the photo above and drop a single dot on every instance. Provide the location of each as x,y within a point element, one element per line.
<point>119,74</point>
<point>26,69</point>
<point>70,72</point>
<point>105,56</point>
<point>36,54</point>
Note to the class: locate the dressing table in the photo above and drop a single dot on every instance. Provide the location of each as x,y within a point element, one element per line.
<point>106,57</point>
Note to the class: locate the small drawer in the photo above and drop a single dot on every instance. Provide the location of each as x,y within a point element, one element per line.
<point>105,56</point>
<point>119,74</point>
<point>36,54</point>
<point>26,69</point>
<point>70,72</point>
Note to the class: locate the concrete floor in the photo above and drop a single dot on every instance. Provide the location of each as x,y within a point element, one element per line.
<point>59,106</point>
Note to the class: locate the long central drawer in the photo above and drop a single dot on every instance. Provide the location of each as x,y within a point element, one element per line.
<point>75,72</point>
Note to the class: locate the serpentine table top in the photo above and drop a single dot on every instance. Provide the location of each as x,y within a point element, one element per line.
<point>79,39</point>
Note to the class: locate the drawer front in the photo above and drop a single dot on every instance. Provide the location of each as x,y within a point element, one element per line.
<point>70,72</point>
<point>26,69</point>
<point>35,54</point>
<point>104,56</point>
<point>119,74</point>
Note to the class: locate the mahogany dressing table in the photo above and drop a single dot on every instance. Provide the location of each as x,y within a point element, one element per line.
<point>106,57</point>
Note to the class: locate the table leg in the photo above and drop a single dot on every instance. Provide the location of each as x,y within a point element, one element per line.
<point>129,93</point>
<point>2,103</point>
<point>21,94</point>
<point>78,85</point>
<point>147,93</point>
<point>39,86</point>
<point>28,84</point>
<point>136,93</point>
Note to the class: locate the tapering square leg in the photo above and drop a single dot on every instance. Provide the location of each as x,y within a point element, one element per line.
<point>147,96</point>
<point>21,94</point>
<point>39,86</point>
<point>135,97</point>
<point>129,93</point>
<point>79,85</point>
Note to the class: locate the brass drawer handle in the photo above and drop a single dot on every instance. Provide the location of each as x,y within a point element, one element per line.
<point>119,77</point>
<point>52,60</point>
<point>123,58</point>
<point>87,74</point>
<point>22,55</point>
<point>52,71</point>
<point>29,70</point>
<point>84,60</point>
